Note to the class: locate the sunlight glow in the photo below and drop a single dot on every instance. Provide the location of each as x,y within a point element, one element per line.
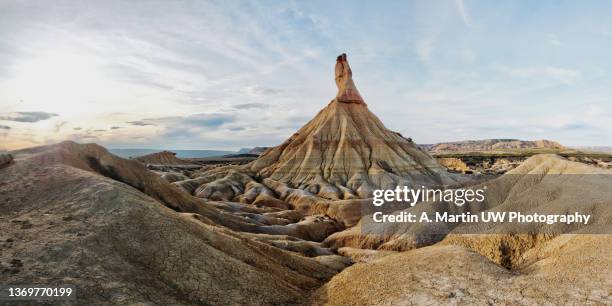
<point>59,81</point>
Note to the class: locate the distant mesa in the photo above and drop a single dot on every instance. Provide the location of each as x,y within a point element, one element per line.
<point>162,158</point>
<point>258,150</point>
<point>183,154</point>
<point>489,156</point>
<point>491,145</point>
<point>243,151</point>
<point>253,151</point>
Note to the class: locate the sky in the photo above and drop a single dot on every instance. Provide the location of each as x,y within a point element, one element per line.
<point>233,74</point>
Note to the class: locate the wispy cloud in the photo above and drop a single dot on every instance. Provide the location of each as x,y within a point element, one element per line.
<point>208,120</point>
<point>5,127</point>
<point>57,127</point>
<point>251,106</point>
<point>563,75</point>
<point>462,12</point>
<point>27,116</point>
<point>425,47</point>
<point>141,123</point>
<point>554,40</point>
<point>260,70</point>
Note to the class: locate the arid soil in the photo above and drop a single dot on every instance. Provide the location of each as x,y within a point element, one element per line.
<point>76,214</point>
<point>564,271</point>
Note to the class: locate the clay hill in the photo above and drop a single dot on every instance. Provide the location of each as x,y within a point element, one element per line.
<point>162,158</point>
<point>72,213</point>
<point>491,145</point>
<point>347,146</point>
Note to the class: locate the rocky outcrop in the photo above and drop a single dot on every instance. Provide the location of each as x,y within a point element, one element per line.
<point>454,164</point>
<point>479,164</point>
<point>347,91</point>
<point>346,151</point>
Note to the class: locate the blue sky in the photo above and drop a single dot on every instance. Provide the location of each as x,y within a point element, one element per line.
<point>231,74</point>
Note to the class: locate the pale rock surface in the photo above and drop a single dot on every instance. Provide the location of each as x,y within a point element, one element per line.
<point>569,270</point>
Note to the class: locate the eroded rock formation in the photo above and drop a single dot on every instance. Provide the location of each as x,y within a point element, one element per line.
<point>347,91</point>
<point>344,152</point>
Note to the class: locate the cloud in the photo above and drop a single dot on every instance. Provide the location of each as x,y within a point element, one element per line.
<point>563,75</point>
<point>59,126</point>
<point>259,91</point>
<point>209,120</point>
<point>554,40</point>
<point>100,130</point>
<point>462,12</point>
<point>27,116</point>
<point>206,119</point>
<point>251,105</point>
<point>229,57</point>
<point>141,123</point>
<point>115,127</point>
<point>577,126</point>
<point>5,127</point>
<point>425,47</point>
<point>78,128</point>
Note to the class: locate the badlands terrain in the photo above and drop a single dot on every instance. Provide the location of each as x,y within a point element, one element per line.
<point>498,156</point>
<point>294,226</point>
<point>488,145</point>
